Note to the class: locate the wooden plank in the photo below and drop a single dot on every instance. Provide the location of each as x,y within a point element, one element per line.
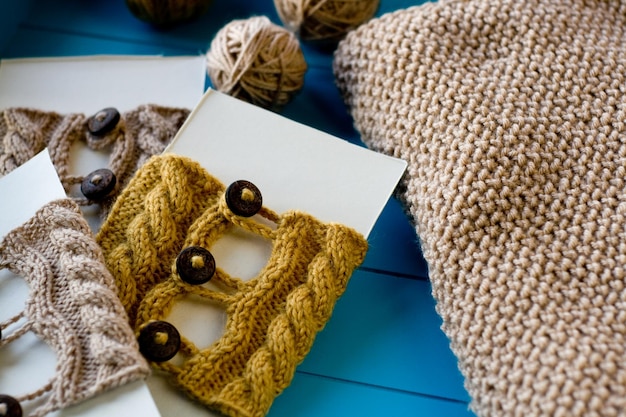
<point>112,20</point>
<point>393,245</point>
<point>29,42</point>
<point>314,396</point>
<point>384,331</point>
<point>12,13</point>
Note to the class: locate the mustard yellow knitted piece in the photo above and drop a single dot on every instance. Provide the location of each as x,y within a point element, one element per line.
<point>173,203</point>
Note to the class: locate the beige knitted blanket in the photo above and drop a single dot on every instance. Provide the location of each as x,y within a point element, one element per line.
<point>511,117</point>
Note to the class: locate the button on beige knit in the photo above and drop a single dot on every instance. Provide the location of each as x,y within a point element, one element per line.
<point>511,116</point>
<point>140,133</point>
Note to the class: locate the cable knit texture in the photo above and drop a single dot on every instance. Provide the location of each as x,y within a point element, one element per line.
<point>173,203</point>
<point>511,117</point>
<point>72,305</point>
<point>139,134</point>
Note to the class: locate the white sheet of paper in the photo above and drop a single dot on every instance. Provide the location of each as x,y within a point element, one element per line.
<point>295,167</point>
<point>25,195</point>
<point>86,85</point>
<point>90,83</point>
<point>28,363</point>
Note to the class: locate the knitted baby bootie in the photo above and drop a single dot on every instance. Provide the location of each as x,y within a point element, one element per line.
<point>510,115</point>
<point>157,241</point>
<point>73,306</point>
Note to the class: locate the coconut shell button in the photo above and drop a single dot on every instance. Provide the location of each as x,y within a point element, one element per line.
<point>159,341</point>
<point>9,406</point>
<point>98,184</point>
<point>195,265</point>
<point>243,198</point>
<point>103,122</point>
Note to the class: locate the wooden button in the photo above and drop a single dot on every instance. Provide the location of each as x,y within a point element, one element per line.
<point>98,184</point>
<point>244,198</point>
<point>103,122</point>
<point>195,265</point>
<point>159,341</point>
<point>9,406</point>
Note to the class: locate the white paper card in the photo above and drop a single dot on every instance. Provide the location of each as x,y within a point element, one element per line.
<point>28,363</point>
<point>88,84</point>
<point>295,167</point>
<point>26,190</point>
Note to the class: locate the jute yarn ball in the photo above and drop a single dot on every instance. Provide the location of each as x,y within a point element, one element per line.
<point>167,12</point>
<point>326,20</point>
<point>257,61</point>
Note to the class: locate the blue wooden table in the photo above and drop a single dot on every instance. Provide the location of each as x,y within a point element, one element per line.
<point>383,352</point>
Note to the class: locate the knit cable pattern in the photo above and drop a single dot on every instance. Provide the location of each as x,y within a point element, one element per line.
<point>511,117</point>
<point>140,133</point>
<point>272,319</point>
<point>72,305</point>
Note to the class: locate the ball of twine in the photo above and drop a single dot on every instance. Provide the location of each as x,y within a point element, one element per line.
<point>257,61</point>
<point>324,19</point>
<point>167,12</point>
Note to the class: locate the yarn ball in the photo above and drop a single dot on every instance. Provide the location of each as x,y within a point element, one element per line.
<point>257,61</point>
<point>165,13</point>
<point>327,20</point>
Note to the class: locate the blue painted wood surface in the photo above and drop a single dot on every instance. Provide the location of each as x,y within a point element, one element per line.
<point>383,352</point>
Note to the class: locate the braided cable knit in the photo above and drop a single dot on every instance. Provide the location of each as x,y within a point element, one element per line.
<point>272,319</point>
<point>72,305</point>
<point>148,229</point>
<point>510,115</point>
<point>23,136</point>
<point>139,134</point>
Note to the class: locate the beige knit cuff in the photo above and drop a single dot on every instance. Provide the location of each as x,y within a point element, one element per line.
<point>72,306</point>
<point>130,139</point>
<point>511,115</point>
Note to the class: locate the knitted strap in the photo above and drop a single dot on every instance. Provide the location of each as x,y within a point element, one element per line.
<point>72,306</point>
<point>511,115</point>
<point>139,134</point>
<point>173,204</point>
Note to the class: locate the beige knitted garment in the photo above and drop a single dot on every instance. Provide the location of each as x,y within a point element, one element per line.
<point>72,305</point>
<point>511,117</point>
<point>139,134</point>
